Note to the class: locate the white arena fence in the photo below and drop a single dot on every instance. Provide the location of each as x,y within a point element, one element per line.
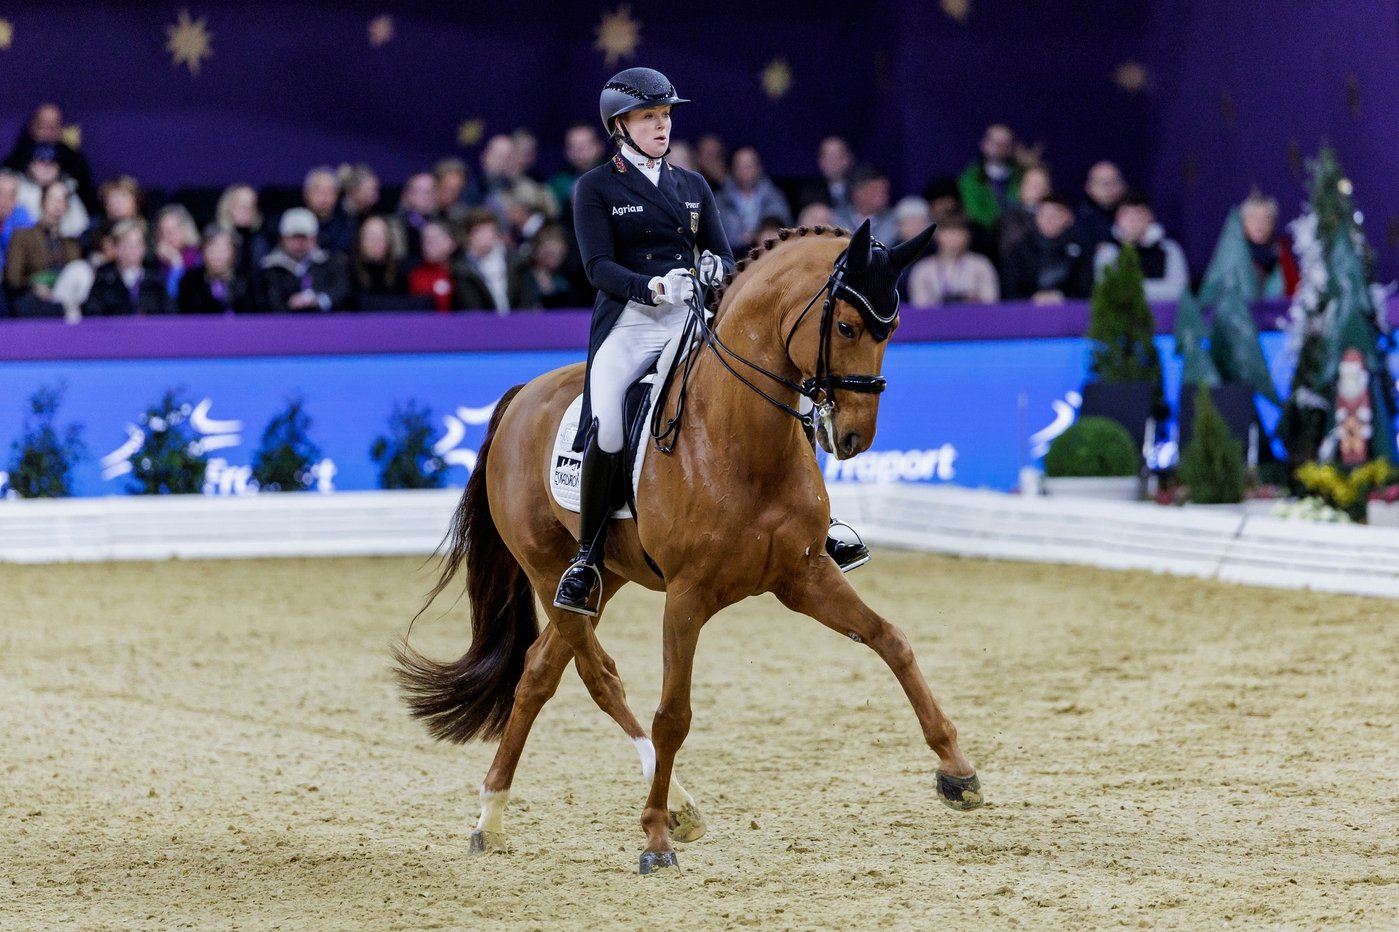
<point>1211,543</point>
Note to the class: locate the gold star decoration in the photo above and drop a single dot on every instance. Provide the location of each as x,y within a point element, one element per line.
<point>957,9</point>
<point>777,78</point>
<point>189,43</point>
<point>471,132</point>
<point>380,30</point>
<point>618,35</point>
<point>7,33</point>
<point>73,136</point>
<point>1131,76</point>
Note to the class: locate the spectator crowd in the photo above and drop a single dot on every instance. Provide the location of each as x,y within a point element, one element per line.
<point>500,238</point>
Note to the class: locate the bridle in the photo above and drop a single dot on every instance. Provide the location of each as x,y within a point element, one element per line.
<point>820,389</point>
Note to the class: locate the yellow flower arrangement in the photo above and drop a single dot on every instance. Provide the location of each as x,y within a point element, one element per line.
<point>1343,489</point>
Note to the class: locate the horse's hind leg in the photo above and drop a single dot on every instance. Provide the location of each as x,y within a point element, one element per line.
<point>822,592</point>
<point>599,674</point>
<point>544,665</point>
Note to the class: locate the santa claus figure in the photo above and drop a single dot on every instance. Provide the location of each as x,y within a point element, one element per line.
<point>1354,419</point>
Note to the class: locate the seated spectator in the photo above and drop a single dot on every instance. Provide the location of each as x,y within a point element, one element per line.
<point>768,228</point>
<point>712,161</point>
<point>216,287</point>
<point>487,276</point>
<point>1274,265</point>
<point>12,216</point>
<point>681,156</point>
<point>132,283</point>
<point>1018,219</point>
<point>416,206</point>
<point>1098,211</point>
<point>993,180</point>
<point>1164,270</point>
<point>816,215</point>
<point>912,216</point>
<point>523,215</point>
<point>548,253</point>
<point>118,199</point>
<point>360,187</point>
<point>238,213</point>
<point>526,154</point>
<point>42,171</point>
<point>45,128</point>
<point>869,200</point>
<point>955,275</point>
<point>37,255</point>
<point>747,197</point>
<point>321,194</point>
<point>433,277</point>
<point>450,175</point>
<point>944,200</point>
<point>499,169</point>
<point>582,151</point>
<point>835,161</point>
<point>299,275</point>
<point>1049,265</point>
<point>176,245</point>
<point>378,277</point>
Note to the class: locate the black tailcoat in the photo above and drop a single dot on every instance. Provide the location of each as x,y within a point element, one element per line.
<point>630,231</point>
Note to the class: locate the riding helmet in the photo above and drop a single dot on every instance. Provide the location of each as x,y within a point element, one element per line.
<point>634,89</point>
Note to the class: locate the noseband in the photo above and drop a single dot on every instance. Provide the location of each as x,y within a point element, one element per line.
<point>820,388</point>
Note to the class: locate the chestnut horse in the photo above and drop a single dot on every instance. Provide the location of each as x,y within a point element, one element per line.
<point>737,508</point>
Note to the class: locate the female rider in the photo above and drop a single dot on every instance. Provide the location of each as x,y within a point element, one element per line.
<point>646,232</point>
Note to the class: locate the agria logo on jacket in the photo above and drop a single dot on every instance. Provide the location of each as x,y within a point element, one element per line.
<point>626,209</point>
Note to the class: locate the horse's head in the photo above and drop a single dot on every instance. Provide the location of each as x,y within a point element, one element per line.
<point>840,352</point>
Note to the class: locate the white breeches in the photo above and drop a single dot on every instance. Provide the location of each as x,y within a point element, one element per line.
<point>638,337</point>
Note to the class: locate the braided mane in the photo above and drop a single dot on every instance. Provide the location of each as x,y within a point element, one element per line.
<point>766,246</point>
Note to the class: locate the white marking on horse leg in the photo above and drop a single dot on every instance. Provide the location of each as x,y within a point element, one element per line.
<point>492,810</point>
<point>647,752</point>
<point>678,798</point>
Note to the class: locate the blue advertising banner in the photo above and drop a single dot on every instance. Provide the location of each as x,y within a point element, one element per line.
<point>969,413</point>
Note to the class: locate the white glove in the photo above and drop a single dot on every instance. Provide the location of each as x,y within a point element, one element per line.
<point>677,288</point>
<point>711,269</point>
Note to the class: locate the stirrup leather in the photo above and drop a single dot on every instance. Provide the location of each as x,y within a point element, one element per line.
<point>845,546</point>
<point>572,596</point>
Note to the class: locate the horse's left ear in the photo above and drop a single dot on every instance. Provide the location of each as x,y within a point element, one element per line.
<point>857,254</point>
<point>907,252</point>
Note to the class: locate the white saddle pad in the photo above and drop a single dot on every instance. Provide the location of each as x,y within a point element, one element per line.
<point>566,465</point>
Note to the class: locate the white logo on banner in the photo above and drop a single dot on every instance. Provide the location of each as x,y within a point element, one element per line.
<point>895,466</point>
<point>456,425</point>
<point>1064,414</point>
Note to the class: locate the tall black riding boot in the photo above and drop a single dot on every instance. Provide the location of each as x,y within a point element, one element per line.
<point>580,589</point>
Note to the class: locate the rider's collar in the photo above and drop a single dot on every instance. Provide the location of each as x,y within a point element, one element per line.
<point>639,160</point>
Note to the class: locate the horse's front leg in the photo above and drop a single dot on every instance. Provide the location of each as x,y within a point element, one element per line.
<point>821,591</point>
<point>685,615</point>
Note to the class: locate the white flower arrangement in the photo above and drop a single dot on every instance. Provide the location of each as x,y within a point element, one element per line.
<point>1309,509</point>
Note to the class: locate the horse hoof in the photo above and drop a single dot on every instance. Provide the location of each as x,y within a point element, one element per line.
<point>652,861</point>
<point>481,842</point>
<point>960,793</point>
<point>686,824</point>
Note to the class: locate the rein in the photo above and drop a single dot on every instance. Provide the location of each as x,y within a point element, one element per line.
<point>820,389</point>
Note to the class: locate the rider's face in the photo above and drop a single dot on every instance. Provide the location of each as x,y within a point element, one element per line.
<point>649,128</point>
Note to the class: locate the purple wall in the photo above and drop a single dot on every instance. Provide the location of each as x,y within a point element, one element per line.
<point>292,86</point>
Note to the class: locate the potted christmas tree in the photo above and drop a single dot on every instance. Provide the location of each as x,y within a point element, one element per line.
<point>42,459</point>
<point>1212,466</point>
<point>1122,329</point>
<point>405,456</point>
<point>284,461</point>
<point>1095,458</point>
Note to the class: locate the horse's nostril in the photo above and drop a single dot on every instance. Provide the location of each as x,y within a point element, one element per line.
<point>849,442</point>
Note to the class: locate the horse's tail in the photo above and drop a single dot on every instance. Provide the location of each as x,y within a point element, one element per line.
<point>471,697</point>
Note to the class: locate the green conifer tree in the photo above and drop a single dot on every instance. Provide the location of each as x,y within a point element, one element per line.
<point>43,458</point>
<point>1212,466</point>
<point>284,458</point>
<point>1123,329</point>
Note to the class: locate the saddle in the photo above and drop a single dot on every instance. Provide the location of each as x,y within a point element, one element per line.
<point>638,410</point>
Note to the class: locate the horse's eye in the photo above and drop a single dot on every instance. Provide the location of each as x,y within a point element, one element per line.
<point>846,330</point>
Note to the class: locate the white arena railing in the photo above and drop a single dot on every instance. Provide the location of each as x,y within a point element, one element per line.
<point>1210,543</point>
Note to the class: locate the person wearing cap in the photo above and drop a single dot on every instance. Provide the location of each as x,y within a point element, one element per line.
<point>298,275</point>
<point>649,234</point>
<point>43,170</point>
